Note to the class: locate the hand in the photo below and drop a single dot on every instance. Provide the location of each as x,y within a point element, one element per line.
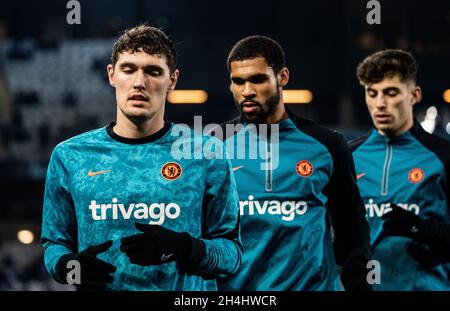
<point>157,245</point>
<point>95,273</point>
<point>400,222</point>
<point>354,272</point>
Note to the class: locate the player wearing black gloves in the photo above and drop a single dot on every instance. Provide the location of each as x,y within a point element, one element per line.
<point>291,197</point>
<point>99,183</point>
<point>157,245</point>
<point>400,222</point>
<point>95,273</point>
<point>403,174</point>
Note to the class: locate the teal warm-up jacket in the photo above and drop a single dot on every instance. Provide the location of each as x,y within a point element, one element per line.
<point>412,171</point>
<point>303,178</point>
<point>99,184</point>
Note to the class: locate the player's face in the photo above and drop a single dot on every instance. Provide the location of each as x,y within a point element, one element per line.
<point>256,89</point>
<point>390,103</point>
<point>141,81</point>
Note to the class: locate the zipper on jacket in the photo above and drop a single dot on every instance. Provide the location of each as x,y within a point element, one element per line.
<point>268,182</point>
<point>386,167</point>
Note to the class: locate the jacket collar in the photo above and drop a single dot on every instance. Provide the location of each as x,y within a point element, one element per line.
<point>403,138</point>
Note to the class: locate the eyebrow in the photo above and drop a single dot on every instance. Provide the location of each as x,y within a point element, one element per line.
<point>133,65</point>
<point>253,77</point>
<point>387,89</point>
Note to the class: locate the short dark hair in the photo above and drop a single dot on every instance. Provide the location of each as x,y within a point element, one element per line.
<point>387,63</point>
<point>258,46</point>
<point>148,39</point>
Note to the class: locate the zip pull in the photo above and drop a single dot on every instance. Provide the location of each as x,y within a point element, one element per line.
<point>268,183</point>
<point>386,168</point>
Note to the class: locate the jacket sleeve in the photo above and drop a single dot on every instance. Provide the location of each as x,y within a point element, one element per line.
<point>220,219</point>
<point>59,228</point>
<point>437,233</point>
<point>347,211</point>
<point>434,232</point>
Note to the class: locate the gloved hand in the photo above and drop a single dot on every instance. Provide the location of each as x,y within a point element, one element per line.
<point>95,273</point>
<point>400,222</point>
<point>157,245</point>
<point>354,272</point>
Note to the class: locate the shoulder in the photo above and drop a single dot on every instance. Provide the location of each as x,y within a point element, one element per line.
<point>68,149</point>
<point>67,153</point>
<point>353,144</point>
<point>436,144</point>
<point>190,144</point>
<point>331,139</point>
<point>187,134</point>
<point>226,129</point>
<point>90,137</point>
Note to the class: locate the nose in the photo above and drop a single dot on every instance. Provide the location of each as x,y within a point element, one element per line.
<point>139,82</point>
<point>380,102</point>
<point>248,90</point>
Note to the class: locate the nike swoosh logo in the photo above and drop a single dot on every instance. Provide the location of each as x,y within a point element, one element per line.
<point>165,257</point>
<point>91,173</point>
<point>237,168</point>
<point>360,175</point>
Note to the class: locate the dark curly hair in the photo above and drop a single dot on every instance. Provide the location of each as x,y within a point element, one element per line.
<point>258,46</point>
<point>387,63</point>
<point>146,38</point>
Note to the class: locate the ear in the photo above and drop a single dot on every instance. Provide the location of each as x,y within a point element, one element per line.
<point>283,77</point>
<point>173,80</point>
<point>230,86</point>
<point>110,70</point>
<point>416,95</point>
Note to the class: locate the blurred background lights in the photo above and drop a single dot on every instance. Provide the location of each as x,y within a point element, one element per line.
<point>25,236</point>
<point>187,97</point>
<point>429,123</point>
<point>432,112</point>
<point>297,96</point>
<point>447,96</point>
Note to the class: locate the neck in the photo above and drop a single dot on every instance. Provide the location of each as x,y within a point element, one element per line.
<point>278,115</point>
<point>406,127</point>
<point>128,128</point>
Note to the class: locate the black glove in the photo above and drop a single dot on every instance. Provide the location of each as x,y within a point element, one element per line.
<point>95,273</point>
<point>400,222</point>
<point>157,245</point>
<point>354,272</point>
<point>432,232</point>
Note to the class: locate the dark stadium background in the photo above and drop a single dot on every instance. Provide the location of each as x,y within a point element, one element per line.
<point>53,80</point>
